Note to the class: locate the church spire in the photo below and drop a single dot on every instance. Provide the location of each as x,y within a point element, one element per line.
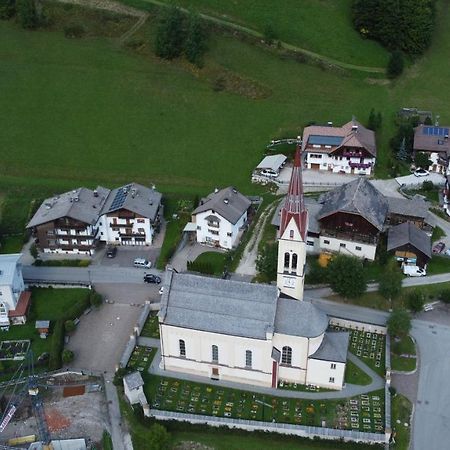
<point>294,205</point>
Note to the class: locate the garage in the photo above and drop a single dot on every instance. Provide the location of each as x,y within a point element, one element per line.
<point>315,166</point>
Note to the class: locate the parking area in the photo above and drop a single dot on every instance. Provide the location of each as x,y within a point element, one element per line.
<point>101,335</point>
<point>126,255</point>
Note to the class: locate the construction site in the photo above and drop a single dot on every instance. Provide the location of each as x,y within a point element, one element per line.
<point>64,411</point>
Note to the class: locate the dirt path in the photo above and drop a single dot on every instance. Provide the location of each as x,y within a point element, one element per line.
<point>247,264</point>
<point>283,45</point>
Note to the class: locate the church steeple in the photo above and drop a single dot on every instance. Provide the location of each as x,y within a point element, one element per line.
<point>293,233</point>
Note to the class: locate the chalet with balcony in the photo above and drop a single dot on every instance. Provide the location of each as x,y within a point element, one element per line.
<point>14,299</point>
<point>435,143</point>
<point>347,149</point>
<point>130,216</point>
<point>67,223</point>
<point>410,244</point>
<point>221,217</point>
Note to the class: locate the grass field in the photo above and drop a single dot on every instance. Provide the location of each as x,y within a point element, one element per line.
<point>405,346</point>
<point>215,260</point>
<point>401,410</point>
<point>354,375</point>
<point>322,26</point>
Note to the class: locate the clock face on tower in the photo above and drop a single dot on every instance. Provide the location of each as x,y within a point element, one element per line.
<point>289,282</point>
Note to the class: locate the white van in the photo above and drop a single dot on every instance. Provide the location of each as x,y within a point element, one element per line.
<point>413,271</point>
<point>269,173</point>
<point>142,262</point>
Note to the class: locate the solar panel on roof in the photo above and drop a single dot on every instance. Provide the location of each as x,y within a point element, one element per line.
<point>435,131</point>
<point>324,140</point>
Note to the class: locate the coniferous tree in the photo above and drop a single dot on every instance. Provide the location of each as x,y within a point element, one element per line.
<point>27,13</point>
<point>195,46</point>
<point>7,9</point>
<point>170,34</point>
<point>402,154</point>
<point>395,65</point>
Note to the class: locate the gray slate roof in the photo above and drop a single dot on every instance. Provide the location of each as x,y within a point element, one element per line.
<point>273,162</point>
<point>136,198</point>
<point>357,197</point>
<point>133,380</point>
<point>8,265</point>
<point>415,207</point>
<point>42,324</point>
<point>408,233</point>
<point>227,202</point>
<point>299,318</point>
<point>80,204</point>
<point>218,306</point>
<point>333,347</point>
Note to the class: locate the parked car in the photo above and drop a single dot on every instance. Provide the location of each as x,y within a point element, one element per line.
<point>421,172</point>
<point>269,173</point>
<point>413,271</point>
<point>142,262</point>
<point>111,252</point>
<point>447,252</point>
<point>161,290</point>
<point>150,278</point>
<point>439,247</point>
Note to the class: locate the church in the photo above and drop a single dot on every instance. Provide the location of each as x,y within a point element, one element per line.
<point>250,333</point>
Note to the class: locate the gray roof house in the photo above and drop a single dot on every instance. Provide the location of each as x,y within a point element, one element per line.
<point>135,198</point>
<point>82,204</point>
<point>227,202</point>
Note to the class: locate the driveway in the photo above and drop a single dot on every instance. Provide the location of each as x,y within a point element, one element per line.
<point>102,335</point>
<point>412,180</point>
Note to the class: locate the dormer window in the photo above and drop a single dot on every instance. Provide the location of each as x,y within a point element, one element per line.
<point>291,234</point>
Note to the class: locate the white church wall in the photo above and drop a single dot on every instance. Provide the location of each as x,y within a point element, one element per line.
<point>325,374</point>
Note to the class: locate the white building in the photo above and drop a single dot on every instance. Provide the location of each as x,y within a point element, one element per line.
<point>221,217</point>
<point>130,215</point>
<point>14,300</point>
<point>347,149</point>
<point>253,333</point>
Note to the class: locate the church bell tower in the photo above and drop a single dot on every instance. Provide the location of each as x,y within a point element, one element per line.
<point>292,237</point>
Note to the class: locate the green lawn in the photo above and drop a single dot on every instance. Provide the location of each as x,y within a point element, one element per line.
<point>151,327</point>
<point>438,264</point>
<point>405,346</point>
<point>322,26</point>
<point>354,375</point>
<point>401,410</point>
<point>215,260</point>
<point>46,304</point>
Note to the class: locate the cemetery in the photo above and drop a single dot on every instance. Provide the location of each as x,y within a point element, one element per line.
<point>14,350</point>
<point>362,413</point>
<point>141,358</point>
<point>151,327</point>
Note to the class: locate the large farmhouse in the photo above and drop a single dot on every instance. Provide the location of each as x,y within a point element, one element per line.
<point>350,218</point>
<point>251,333</point>
<point>221,217</point>
<point>67,223</point>
<point>435,143</point>
<point>347,149</point>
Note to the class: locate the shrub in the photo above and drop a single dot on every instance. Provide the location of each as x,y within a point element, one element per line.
<point>219,84</point>
<point>74,30</point>
<point>69,326</point>
<point>67,356</point>
<point>445,296</point>
<point>416,300</point>
<point>95,298</point>
<point>34,251</point>
<point>7,9</point>
<point>56,346</point>
<point>399,323</point>
<point>427,186</point>
<point>395,65</point>
<point>346,276</point>
<point>392,391</point>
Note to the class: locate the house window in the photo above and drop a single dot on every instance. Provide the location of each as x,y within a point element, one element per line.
<point>182,348</point>
<point>294,261</point>
<point>248,358</point>
<point>333,366</point>
<point>1,293</point>
<point>286,355</point>
<point>229,234</point>
<point>117,239</point>
<point>140,220</point>
<point>214,232</point>
<point>331,380</point>
<point>199,227</point>
<point>215,353</point>
<point>342,245</point>
<point>291,234</point>
<point>326,241</point>
<point>358,248</point>
<point>310,243</point>
<point>287,257</point>
<point>141,230</point>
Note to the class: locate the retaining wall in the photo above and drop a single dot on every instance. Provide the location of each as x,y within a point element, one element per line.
<point>355,325</point>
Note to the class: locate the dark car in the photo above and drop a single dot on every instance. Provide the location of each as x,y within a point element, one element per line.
<point>150,278</point>
<point>111,252</point>
<point>439,247</point>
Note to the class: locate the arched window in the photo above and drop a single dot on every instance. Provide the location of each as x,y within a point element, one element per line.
<point>286,355</point>
<point>291,234</point>
<point>215,353</point>
<point>182,348</point>
<point>248,358</point>
<point>287,259</point>
<point>294,261</point>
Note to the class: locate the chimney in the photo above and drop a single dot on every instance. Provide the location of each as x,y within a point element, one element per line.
<point>226,201</point>
<point>95,193</point>
<point>355,128</point>
<point>446,137</point>
<point>330,124</point>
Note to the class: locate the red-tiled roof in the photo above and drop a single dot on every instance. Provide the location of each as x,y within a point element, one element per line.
<point>22,305</point>
<point>294,205</point>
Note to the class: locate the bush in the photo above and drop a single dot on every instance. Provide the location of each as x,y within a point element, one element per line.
<point>399,323</point>
<point>7,9</point>
<point>445,296</point>
<point>95,298</point>
<point>346,276</point>
<point>159,437</point>
<point>316,274</point>
<point>427,186</point>
<point>392,391</point>
<point>69,326</point>
<point>219,84</point>
<point>74,30</point>
<point>67,356</point>
<point>118,376</point>
<point>416,300</point>
<point>56,346</point>
<point>34,251</point>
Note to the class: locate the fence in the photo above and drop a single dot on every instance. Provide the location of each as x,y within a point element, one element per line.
<point>387,394</point>
<point>282,428</point>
